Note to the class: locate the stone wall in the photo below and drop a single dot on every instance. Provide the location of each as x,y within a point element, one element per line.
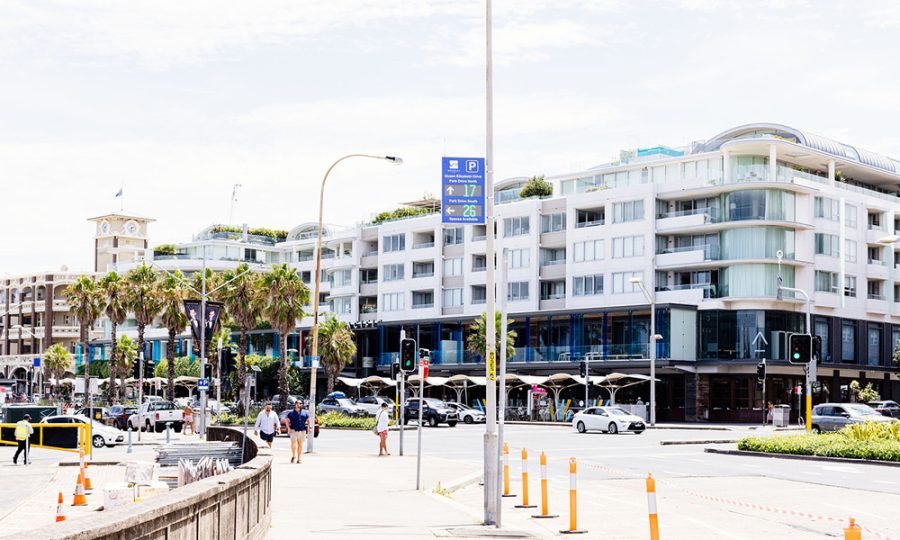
<point>233,506</point>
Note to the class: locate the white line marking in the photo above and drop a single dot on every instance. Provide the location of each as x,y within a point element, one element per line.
<point>853,512</point>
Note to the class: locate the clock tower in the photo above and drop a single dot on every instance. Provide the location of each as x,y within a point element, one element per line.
<point>120,237</point>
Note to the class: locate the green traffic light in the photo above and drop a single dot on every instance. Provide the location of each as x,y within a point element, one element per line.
<point>796,356</point>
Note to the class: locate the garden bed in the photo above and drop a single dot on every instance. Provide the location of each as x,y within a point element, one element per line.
<point>868,441</point>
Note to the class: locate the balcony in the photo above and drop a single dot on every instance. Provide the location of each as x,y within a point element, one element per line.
<point>424,245</point>
<point>423,274</point>
<point>423,305</point>
<point>827,299</point>
<point>875,303</point>
<point>687,255</point>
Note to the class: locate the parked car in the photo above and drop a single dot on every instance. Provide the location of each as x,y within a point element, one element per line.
<point>886,408</point>
<point>467,414</point>
<point>372,404</point>
<point>341,405</point>
<point>155,415</point>
<point>282,419</point>
<point>120,414</point>
<point>210,406</point>
<point>101,435</point>
<point>608,419</point>
<point>291,399</point>
<point>434,412</point>
<point>99,414</point>
<point>834,416</point>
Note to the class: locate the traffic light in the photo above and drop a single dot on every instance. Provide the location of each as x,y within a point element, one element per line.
<point>583,368</point>
<point>761,371</point>
<point>408,355</point>
<point>800,349</point>
<point>207,371</point>
<point>229,360</point>
<point>425,353</point>
<point>395,371</point>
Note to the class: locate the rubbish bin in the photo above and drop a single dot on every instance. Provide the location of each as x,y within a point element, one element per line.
<point>781,415</point>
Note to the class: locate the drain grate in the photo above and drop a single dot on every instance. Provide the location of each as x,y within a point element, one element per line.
<point>483,532</point>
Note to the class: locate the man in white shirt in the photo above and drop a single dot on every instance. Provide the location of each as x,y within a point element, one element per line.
<point>266,424</point>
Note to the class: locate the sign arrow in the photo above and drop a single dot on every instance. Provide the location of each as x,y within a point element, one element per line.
<point>449,190</point>
<point>450,210</point>
<point>759,336</point>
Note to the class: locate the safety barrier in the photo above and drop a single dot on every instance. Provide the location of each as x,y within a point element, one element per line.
<point>524,481</point>
<point>545,503</point>
<point>65,437</point>
<point>506,492</point>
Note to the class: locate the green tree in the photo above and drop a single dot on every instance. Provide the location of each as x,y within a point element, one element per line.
<point>86,301</point>
<point>537,186</point>
<point>58,360</point>
<point>126,352</point>
<point>116,311</point>
<point>337,346</point>
<point>285,296</point>
<point>863,395</point>
<point>477,340</point>
<point>171,295</point>
<point>143,298</point>
<point>243,301</point>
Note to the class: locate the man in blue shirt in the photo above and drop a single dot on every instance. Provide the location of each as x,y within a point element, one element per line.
<point>298,426</point>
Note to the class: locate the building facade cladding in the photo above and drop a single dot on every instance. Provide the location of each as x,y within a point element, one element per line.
<point>699,226</point>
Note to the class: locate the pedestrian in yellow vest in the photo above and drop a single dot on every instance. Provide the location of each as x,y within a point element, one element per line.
<point>23,432</point>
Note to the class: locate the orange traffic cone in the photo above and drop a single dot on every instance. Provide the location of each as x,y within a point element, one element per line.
<point>60,513</point>
<point>80,499</point>
<point>81,456</point>
<point>87,478</point>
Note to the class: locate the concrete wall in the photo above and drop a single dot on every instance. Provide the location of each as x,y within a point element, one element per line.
<point>234,506</point>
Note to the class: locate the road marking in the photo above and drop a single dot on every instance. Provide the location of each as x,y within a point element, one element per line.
<point>853,512</point>
<point>841,469</point>
<point>885,482</point>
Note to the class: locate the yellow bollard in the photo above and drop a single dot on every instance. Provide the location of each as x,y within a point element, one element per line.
<point>853,532</point>
<point>544,503</point>
<point>524,481</point>
<point>506,492</point>
<point>651,505</point>
<point>573,502</point>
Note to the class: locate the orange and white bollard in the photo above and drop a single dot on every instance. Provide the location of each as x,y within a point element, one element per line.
<point>852,532</point>
<point>81,457</point>
<point>544,503</point>
<point>60,512</point>
<point>525,481</point>
<point>87,478</point>
<point>573,502</point>
<point>651,507</point>
<point>506,492</point>
<point>80,499</point>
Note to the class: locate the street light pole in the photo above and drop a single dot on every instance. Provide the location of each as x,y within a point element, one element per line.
<point>318,278</point>
<point>812,367</point>
<point>653,338</point>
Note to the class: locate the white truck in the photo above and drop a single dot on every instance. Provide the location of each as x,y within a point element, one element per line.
<point>155,415</point>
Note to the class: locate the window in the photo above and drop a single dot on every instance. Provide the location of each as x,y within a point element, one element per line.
<point>875,289</point>
<point>392,302</point>
<point>479,294</point>
<point>850,250</point>
<point>552,290</point>
<point>628,211</point>
<point>517,290</point>
<point>822,332</point>
<point>395,242</point>
<point>628,246</point>
<point>590,217</point>
<point>341,306</point>
<point>453,236</point>
<point>392,272</point>
<point>848,341</point>
<point>827,208</point>
<point>515,226</point>
<point>340,278</point>
<point>875,221</point>
<point>452,297</point>
<point>423,269</point>
<point>592,250</point>
<point>621,283</point>
<point>850,286</point>
<point>519,258</point>
<point>553,256</point>
<point>366,275</point>
<point>422,299</point>
<point>850,220</point>
<point>553,222</point>
<point>453,267</point>
<point>827,281</point>
<point>587,285</point>
<point>479,263</point>
<point>874,254</point>
<point>873,355</point>
<point>827,244</point>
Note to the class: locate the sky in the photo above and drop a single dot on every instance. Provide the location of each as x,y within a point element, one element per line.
<point>175,102</point>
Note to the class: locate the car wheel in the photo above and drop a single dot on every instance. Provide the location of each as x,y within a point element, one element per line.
<point>178,426</point>
<point>581,428</point>
<point>148,428</point>
<point>613,428</point>
<point>432,422</point>
<point>468,419</point>
<point>816,429</point>
<point>638,432</point>
<point>97,441</point>
<point>451,424</point>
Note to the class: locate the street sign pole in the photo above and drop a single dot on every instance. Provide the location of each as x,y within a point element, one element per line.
<point>490,436</point>
<point>402,419</point>
<point>419,427</point>
<point>501,405</point>
<point>140,389</point>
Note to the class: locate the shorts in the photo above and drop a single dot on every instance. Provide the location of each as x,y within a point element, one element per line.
<point>298,436</point>
<point>188,418</point>
<point>268,437</point>
<point>383,435</point>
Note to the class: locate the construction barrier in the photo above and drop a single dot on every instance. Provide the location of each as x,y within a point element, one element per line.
<point>573,502</point>
<point>60,511</point>
<point>506,492</point>
<point>545,510</point>
<point>80,499</point>
<point>65,437</point>
<point>524,481</point>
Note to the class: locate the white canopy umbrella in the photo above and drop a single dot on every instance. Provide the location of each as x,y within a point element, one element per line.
<point>614,382</point>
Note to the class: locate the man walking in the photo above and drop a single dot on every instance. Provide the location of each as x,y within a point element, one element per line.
<point>23,432</point>
<point>266,424</point>
<point>298,427</point>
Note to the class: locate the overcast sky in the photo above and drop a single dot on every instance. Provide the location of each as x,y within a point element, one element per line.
<point>178,101</point>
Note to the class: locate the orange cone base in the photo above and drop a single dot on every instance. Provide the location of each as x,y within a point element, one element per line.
<point>509,495</point>
<point>574,531</point>
<point>526,506</point>
<point>83,503</point>
<point>545,516</point>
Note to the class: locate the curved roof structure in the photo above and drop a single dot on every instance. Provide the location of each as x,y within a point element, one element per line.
<point>306,230</point>
<point>816,142</point>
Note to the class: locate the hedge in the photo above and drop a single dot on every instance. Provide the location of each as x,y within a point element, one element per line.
<point>828,445</point>
<point>336,419</point>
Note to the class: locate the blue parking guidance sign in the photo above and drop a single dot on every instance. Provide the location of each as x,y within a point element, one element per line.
<point>462,190</point>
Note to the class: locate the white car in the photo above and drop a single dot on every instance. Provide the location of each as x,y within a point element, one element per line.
<point>608,419</point>
<point>467,414</point>
<point>101,435</point>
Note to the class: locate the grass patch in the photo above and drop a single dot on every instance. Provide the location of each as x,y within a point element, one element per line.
<point>336,419</point>
<point>869,440</point>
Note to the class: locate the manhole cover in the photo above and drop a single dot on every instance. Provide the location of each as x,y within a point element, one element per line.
<point>485,533</point>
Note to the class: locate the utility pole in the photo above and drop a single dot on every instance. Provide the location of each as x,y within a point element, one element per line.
<point>501,406</point>
<point>203,343</point>
<point>402,419</point>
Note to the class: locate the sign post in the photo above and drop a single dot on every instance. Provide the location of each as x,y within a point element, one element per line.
<point>462,190</point>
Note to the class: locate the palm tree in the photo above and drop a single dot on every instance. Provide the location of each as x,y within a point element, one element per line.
<point>243,301</point>
<point>58,360</point>
<point>477,340</point>
<point>86,301</point>
<point>337,345</point>
<point>171,294</point>
<point>126,352</point>
<point>143,298</point>
<point>116,311</point>
<point>285,295</point>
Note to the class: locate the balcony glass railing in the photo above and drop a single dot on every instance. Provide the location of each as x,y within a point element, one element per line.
<point>424,245</point>
<point>553,262</point>
<point>589,223</point>
<point>875,296</point>
<point>477,237</point>
<point>423,274</point>
<point>710,251</point>
<point>713,215</point>
<point>423,305</point>
<point>610,352</point>
<point>709,289</point>
<point>553,296</point>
